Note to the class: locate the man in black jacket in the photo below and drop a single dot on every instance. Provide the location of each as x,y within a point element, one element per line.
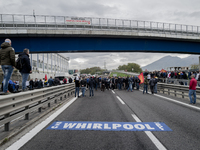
<point>77,85</point>
<point>26,67</point>
<point>91,86</point>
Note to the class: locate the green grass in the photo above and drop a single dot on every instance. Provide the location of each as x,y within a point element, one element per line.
<point>118,74</point>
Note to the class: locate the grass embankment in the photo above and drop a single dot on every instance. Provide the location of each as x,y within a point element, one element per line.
<point>118,74</point>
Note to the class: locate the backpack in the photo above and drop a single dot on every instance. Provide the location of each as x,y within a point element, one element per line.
<point>152,82</point>
<point>19,64</point>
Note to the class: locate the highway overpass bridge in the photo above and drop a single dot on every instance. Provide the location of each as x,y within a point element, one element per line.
<point>42,34</point>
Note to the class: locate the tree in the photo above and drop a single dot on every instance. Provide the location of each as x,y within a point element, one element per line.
<point>92,70</point>
<point>131,67</point>
<point>194,66</point>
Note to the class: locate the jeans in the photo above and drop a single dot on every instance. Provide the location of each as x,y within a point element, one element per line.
<point>145,88</point>
<point>130,87</point>
<point>192,92</point>
<point>24,79</point>
<point>99,84</point>
<point>96,86</point>
<point>77,91</point>
<point>155,88</point>
<point>119,86</point>
<point>7,71</point>
<point>83,91</point>
<point>91,91</point>
<point>137,84</point>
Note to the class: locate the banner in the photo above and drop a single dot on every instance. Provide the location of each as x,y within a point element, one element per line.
<point>109,126</point>
<point>78,22</point>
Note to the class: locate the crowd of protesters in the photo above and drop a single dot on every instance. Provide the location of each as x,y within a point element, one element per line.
<point>105,83</point>
<point>174,74</point>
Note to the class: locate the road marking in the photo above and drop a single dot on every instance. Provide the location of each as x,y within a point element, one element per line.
<point>157,143</point>
<point>28,136</point>
<point>188,105</point>
<point>120,100</point>
<point>113,92</point>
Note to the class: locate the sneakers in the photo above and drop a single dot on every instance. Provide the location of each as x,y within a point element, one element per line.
<point>7,93</point>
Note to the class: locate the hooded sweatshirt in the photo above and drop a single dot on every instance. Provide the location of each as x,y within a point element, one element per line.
<point>7,54</point>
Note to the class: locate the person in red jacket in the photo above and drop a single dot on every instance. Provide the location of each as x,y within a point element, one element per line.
<point>192,89</point>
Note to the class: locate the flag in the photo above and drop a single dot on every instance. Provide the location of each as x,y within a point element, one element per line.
<point>45,77</point>
<point>163,70</point>
<point>141,77</point>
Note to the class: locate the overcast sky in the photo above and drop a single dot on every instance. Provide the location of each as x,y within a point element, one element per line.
<point>169,11</point>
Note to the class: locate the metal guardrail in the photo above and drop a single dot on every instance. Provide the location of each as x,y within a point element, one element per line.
<point>174,90</point>
<point>19,104</point>
<point>13,21</point>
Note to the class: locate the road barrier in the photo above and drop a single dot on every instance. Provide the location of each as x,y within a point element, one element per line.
<point>19,104</point>
<point>175,90</point>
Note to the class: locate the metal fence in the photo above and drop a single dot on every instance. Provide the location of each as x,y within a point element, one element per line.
<point>16,105</point>
<point>13,21</point>
<point>174,90</point>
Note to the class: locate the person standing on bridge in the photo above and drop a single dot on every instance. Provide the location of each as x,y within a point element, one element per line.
<point>192,89</point>
<point>7,62</point>
<point>26,67</point>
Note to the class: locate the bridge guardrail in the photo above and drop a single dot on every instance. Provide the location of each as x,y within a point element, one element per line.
<point>19,104</point>
<point>58,22</point>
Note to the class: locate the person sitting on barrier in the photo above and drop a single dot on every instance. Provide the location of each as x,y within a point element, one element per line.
<point>17,85</point>
<point>40,84</point>
<point>31,84</point>
<point>45,83</point>
<point>57,82</point>
<point>36,83</point>
<point>70,80</point>
<point>50,81</point>
<point>12,86</point>
<point>64,81</point>
<point>192,89</point>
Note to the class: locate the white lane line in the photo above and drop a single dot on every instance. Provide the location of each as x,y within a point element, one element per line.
<point>120,100</point>
<point>113,92</point>
<point>188,105</point>
<point>28,136</point>
<point>156,142</point>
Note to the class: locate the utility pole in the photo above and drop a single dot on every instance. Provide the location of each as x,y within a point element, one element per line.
<point>104,64</point>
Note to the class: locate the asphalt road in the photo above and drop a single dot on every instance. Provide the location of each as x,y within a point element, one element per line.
<point>106,107</point>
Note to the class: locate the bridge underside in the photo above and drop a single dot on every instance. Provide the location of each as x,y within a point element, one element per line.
<point>102,44</point>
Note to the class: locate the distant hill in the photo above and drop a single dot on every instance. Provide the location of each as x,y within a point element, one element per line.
<point>169,61</point>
